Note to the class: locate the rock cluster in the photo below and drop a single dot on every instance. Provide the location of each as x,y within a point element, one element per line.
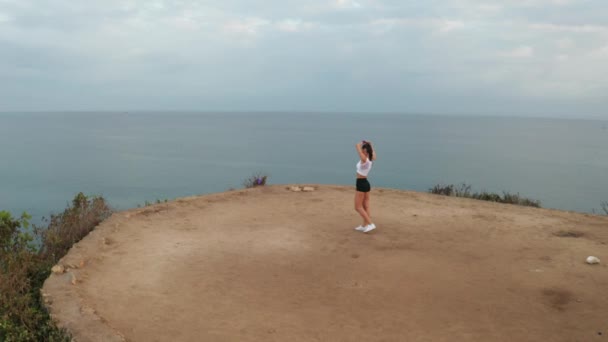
<point>302,188</point>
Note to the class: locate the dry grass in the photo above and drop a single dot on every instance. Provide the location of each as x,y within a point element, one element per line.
<point>464,190</point>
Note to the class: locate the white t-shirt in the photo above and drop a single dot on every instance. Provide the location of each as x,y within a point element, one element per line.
<point>364,168</point>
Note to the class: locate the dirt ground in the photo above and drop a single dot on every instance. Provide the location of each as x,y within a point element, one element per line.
<point>269,264</point>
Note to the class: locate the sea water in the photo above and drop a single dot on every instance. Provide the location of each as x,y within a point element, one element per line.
<point>130,158</point>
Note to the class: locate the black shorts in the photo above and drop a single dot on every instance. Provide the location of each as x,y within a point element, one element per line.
<point>363,185</point>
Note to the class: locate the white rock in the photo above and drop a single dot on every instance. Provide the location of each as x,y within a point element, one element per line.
<point>593,260</point>
<point>308,188</point>
<point>296,188</point>
<point>58,269</point>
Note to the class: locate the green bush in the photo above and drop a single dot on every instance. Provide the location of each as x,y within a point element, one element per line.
<point>464,190</point>
<point>24,266</point>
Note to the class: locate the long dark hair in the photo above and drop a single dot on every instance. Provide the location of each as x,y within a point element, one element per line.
<point>370,151</point>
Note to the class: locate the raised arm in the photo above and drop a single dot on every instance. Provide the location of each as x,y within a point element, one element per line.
<point>361,153</point>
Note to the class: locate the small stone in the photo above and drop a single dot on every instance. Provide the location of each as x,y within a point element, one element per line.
<point>47,298</point>
<point>86,310</point>
<point>73,280</point>
<point>82,263</point>
<point>58,269</point>
<point>308,188</point>
<point>593,260</point>
<point>107,241</point>
<point>295,188</point>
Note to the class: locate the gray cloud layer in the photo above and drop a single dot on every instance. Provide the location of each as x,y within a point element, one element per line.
<point>543,57</point>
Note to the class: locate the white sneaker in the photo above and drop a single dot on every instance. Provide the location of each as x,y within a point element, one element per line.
<point>369,228</point>
<point>360,228</point>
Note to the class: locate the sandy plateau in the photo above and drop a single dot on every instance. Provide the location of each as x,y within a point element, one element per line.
<point>273,264</point>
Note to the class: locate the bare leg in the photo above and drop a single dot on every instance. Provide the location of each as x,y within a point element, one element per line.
<point>359,197</point>
<point>366,205</point>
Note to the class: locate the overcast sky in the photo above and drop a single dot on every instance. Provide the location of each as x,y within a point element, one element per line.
<point>522,57</point>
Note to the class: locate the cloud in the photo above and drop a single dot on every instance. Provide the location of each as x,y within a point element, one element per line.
<point>489,7</point>
<point>564,43</point>
<point>539,3</point>
<point>384,25</point>
<point>271,54</point>
<point>519,52</point>
<point>347,4</point>
<point>4,18</point>
<point>247,26</point>
<point>295,25</point>
<point>450,25</point>
<point>553,28</point>
<point>494,5</point>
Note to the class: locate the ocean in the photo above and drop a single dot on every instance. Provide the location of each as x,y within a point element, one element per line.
<point>130,158</point>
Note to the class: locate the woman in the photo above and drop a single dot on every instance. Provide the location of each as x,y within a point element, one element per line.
<point>367,156</point>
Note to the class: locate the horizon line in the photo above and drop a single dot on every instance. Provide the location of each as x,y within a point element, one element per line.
<point>339,112</point>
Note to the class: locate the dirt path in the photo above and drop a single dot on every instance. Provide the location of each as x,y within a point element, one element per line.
<point>269,264</point>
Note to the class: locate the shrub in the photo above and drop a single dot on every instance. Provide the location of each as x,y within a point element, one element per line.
<point>24,266</point>
<point>257,179</point>
<point>22,273</point>
<point>519,200</point>
<point>69,227</point>
<point>605,207</point>
<point>440,189</point>
<point>464,190</point>
<point>487,196</point>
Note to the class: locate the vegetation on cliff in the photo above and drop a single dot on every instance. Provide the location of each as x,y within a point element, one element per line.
<point>26,257</point>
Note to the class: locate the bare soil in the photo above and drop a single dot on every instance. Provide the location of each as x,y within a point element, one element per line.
<point>269,264</point>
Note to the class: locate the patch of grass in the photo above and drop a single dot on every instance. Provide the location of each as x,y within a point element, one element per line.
<point>255,180</point>
<point>25,263</point>
<point>158,201</point>
<point>464,190</point>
